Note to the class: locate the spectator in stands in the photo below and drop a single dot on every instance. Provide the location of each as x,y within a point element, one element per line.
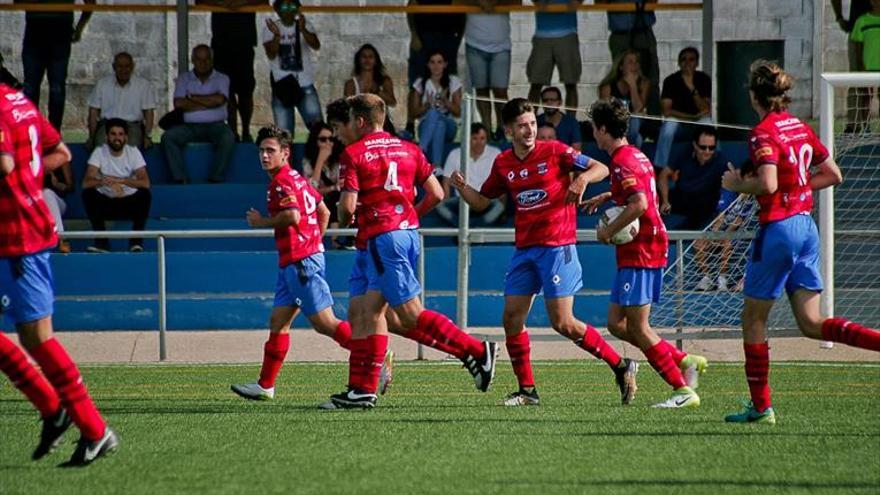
<point>290,42</point>
<point>866,37</point>
<point>687,95</point>
<point>46,50</point>
<point>697,182</point>
<point>555,43</point>
<point>201,94</point>
<point>7,78</point>
<point>568,130</point>
<point>435,100</point>
<point>369,76</point>
<point>56,184</point>
<point>857,99</point>
<point>233,38</point>
<point>122,96</point>
<point>634,31</point>
<point>626,82</point>
<point>321,167</point>
<point>479,165</point>
<point>546,132</point>
<point>429,34</point>
<point>487,48</point>
<point>116,186</point>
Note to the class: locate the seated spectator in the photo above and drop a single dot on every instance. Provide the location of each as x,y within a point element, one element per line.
<point>116,186</point>
<point>479,165</point>
<point>201,95</point>
<point>568,130</point>
<point>7,78</point>
<point>687,95</point>
<point>369,76</point>
<point>626,82</point>
<point>698,185</point>
<point>122,96</point>
<point>290,43</point>
<point>546,132</point>
<point>56,184</point>
<point>436,101</point>
<point>321,167</point>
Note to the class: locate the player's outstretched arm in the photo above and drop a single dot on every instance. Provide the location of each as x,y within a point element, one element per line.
<point>284,218</point>
<point>433,196</point>
<point>827,175</point>
<point>591,205</point>
<point>596,171</point>
<point>471,196</point>
<point>347,206</point>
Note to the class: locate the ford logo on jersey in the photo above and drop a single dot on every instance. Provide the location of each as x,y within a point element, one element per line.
<point>531,197</point>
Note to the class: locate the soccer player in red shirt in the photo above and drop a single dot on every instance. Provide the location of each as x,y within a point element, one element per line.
<point>640,262</point>
<point>537,176</point>
<point>785,251</point>
<point>28,145</point>
<point>378,177</point>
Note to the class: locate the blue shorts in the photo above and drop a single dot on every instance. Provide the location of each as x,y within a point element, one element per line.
<point>783,254</point>
<point>488,70</point>
<point>390,265</point>
<point>26,292</point>
<point>302,284</point>
<point>555,269</point>
<point>357,281</point>
<point>637,286</point>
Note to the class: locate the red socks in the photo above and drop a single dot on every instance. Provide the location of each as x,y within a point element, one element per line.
<point>677,355</point>
<point>757,374</point>
<point>26,378</point>
<point>274,353</point>
<point>596,345</point>
<point>365,363</point>
<point>62,373</point>
<point>661,360</point>
<point>441,329</point>
<point>850,333</point>
<point>343,335</point>
<point>519,348</point>
<point>423,338</point>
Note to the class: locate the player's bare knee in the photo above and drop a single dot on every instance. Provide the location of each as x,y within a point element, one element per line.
<point>617,329</point>
<point>567,328</point>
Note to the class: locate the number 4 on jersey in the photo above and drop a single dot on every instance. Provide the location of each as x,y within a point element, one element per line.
<point>391,179</point>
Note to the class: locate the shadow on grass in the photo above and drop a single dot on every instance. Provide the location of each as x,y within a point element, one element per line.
<point>707,484</point>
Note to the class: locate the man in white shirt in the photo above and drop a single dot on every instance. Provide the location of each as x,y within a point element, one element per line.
<point>478,168</point>
<point>122,96</point>
<point>116,185</point>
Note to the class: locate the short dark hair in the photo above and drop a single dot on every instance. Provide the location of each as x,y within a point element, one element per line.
<point>612,114</point>
<point>276,133</point>
<point>690,49</point>
<point>514,108</point>
<point>115,122</point>
<point>123,55</point>
<point>338,111</point>
<point>368,106</point>
<point>552,88</point>
<point>477,127</point>
<point>705,131</point>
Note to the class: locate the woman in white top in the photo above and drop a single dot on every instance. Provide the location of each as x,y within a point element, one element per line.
<point>436,101</point>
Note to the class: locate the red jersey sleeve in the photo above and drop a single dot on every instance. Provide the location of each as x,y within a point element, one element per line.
<point>494,185</point>
<point>284,197</point>
<point>348,179</point>
<point>628,178</point>
<point>49,137</point>
<point>762,149</point>
<point>569,158</point>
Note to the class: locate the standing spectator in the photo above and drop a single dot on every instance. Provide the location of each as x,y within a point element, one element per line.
<point>46,50</point>
<point>321,168</point>
<point>369,76</point>
<point>698,182</point>
<point>555,44</point>
<point>866,36</point>
<point>233,38</point>
<point>687,95</point>
<point>7,78</point>
<point>626,82</point>
<point>126,97</point>
<point>568,130</point>
<point>201,94</point>
<point>116,186</point>
<point>478,168</point>
<point>634,31</point>
<point>56,184</point>
<point>431,33</point>
<point>290,42</point>
<point>435,100</point>
<point>487,48</point>
<point>857,99</point>
<point>546,132</point>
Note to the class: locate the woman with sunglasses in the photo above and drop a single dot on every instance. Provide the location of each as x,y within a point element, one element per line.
<point>321,168</point>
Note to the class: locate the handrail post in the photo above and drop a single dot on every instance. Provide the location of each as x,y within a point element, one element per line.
<point>464,258</point>
<point>160,254</point>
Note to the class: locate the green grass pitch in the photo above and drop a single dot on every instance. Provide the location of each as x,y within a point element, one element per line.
<point>183,431</point>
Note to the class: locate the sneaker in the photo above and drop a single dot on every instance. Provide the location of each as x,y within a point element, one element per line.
<point>751,415</point>
<point>350,399</point>
<point>682,397</point>
<point>523,397</point>
<point>722,283</point>
<point>136,248</point>
<point>97,249</point>
<point>625,377</point>
<point>87,451</point>
<point>705,283</point>
<point>254,391</point>
<point>692,366</point>
<point>53,428</point>
<point>483,370</point>
<point>386,374</point>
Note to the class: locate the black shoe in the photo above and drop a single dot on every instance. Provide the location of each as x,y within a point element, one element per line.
<point>625,376</point>
<point>523,397</point>
<point>53,428</point>
<point>87,451</point>
<point>351,399</point>
<point>483,370</point>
